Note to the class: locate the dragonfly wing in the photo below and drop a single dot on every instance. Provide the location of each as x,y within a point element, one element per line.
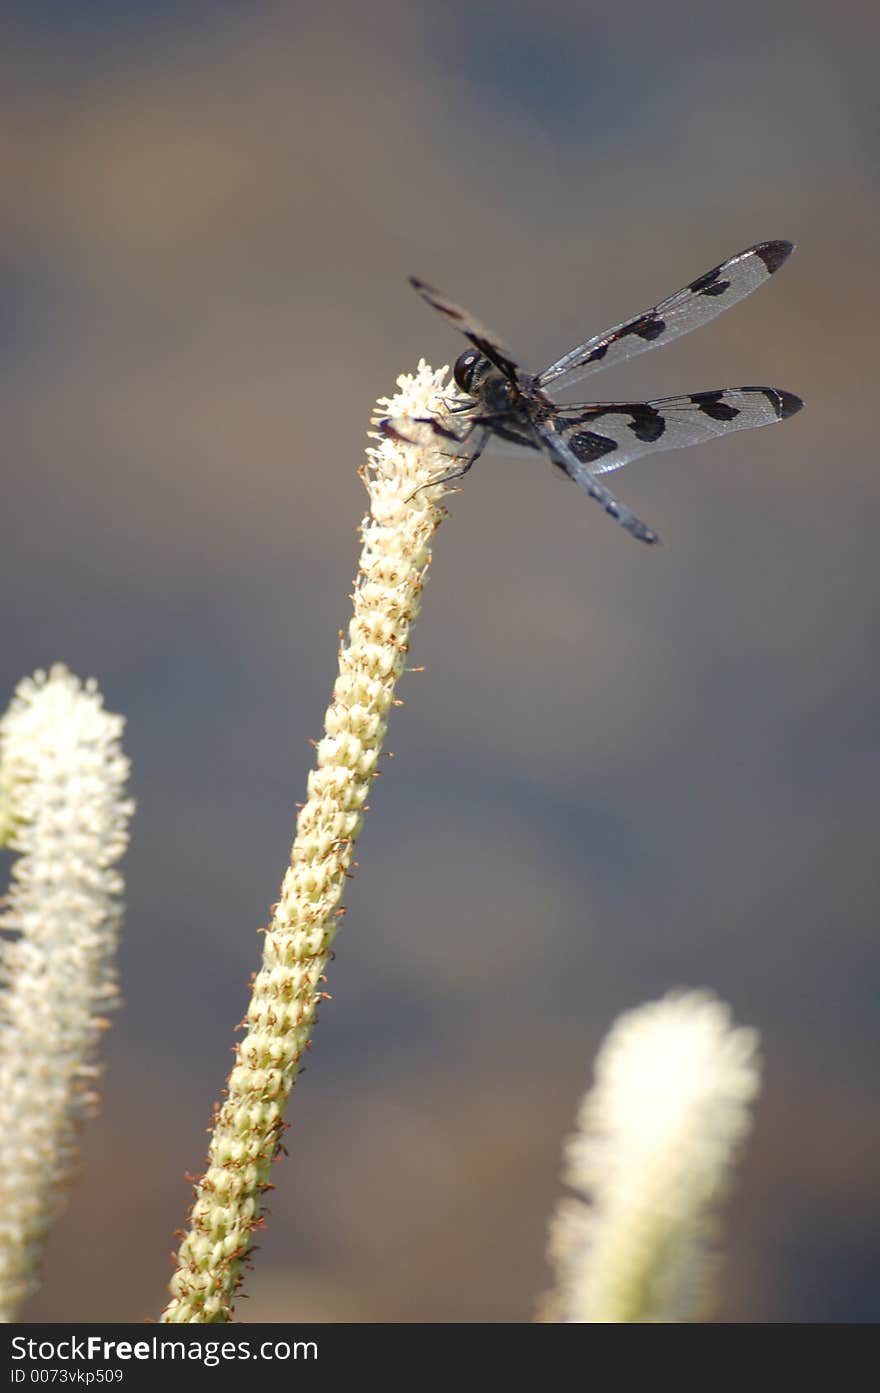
<point>607,435</point>
<point>690,308</point>
<point>484,340</point>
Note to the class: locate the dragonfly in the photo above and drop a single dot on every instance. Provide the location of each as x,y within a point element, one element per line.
<point>500,403</point>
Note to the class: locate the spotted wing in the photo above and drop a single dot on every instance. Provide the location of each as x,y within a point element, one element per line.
<point>688,309</point>
<point>482,338</point>
<point>607,435</point>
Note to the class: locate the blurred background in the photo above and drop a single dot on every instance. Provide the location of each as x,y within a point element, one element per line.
<point>624,770</point>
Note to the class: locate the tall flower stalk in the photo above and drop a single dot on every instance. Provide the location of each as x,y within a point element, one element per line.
<point>62,807</point>
<point>657,1137</point>
<point>396,534</point>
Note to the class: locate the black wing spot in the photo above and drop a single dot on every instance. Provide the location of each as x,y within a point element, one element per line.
<point>710,284</point>
<point>647,424</point>
<point>647,326</point>
<point>703,282</point>
<point>773,254</point>
<point>789,404</point>
<point>713,405</point>
<point>785,403</point>
<point>430,294</point>
<point>588,446</point>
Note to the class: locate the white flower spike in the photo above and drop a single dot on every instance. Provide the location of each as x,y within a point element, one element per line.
<point>396,552</point>
<point>657,1136</point>
<point>62,807</point>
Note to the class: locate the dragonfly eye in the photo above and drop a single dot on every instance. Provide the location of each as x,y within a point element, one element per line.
<point>464,369</point>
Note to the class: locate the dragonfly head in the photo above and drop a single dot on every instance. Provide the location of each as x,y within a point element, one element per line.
<point>469,367</point>
<point>480,378</point>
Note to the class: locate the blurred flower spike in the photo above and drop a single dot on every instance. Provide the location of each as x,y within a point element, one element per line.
<point>63,809</point>
<point>657,1136</point>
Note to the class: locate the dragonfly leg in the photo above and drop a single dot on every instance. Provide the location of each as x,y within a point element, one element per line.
<point>475,428</point>
<point>458,473</point>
